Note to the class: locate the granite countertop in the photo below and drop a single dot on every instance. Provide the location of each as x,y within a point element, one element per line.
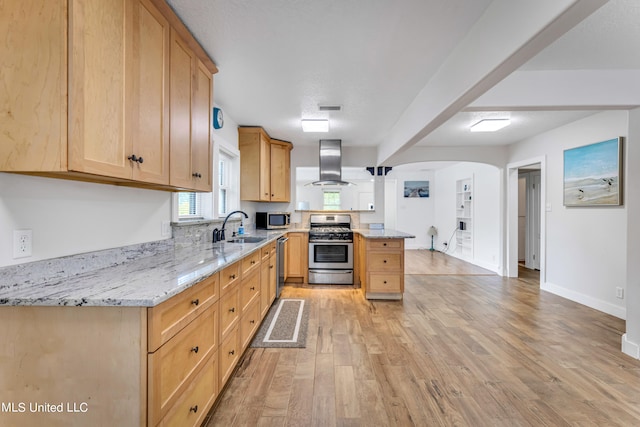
<point>385,233</point>
<point>369,233</point>
<point>141,282</point>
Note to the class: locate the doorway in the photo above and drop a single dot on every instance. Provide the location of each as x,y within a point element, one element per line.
<point>530,233</point>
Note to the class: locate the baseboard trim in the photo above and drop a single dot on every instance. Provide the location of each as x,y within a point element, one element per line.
<point>630,348</point>
<point>605,307</point>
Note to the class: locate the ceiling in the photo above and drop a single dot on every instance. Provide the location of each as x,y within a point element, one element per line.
<point>384,61</point>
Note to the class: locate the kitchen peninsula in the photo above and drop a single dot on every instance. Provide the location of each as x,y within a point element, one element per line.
<point>149,340</point>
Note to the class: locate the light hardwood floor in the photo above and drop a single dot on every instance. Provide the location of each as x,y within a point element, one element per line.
<point>465,350</point>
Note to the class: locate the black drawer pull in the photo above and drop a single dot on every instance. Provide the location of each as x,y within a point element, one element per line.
<point>232,352</point>
<point>194,409</point>
<point>232,310</point>
<point>233,276</point>
<point>253,288</point>
<point>385,261</point>
<point>195,349</point>
<point>196,302</point>
<point>252,321</point>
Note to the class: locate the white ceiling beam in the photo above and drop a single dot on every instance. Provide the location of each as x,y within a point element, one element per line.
<point>563,90</point>
<point>508,34</point>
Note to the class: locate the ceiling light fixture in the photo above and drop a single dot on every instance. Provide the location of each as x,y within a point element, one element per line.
<point>490,125</point>
<point>315,125</point>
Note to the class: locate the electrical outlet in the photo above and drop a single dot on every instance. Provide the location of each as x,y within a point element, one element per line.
<point>22,243</point>
<point>620,293</point>
<point>166,229</point>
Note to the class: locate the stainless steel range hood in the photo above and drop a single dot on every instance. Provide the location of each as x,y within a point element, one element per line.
<point>330,163</point>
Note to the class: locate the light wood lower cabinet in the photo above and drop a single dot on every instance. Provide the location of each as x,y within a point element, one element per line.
<point>382,268</point>
<point>297,248</point>
<point>191,408</point>
<point>158,366</point>
<point>173,367</point>
<point>267,278</point>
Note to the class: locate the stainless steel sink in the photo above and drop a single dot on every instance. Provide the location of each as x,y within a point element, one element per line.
<point>248,239</point>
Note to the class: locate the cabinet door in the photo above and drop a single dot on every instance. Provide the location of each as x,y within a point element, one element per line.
<point>280,172</point>
<point>150,100</point>
<point>297,251</point>
<point>255,155</point>
<point>33,108</point>
<point>181,60</point>
<point>201,153</point>
<point>264,287</point>
<point>273,279</point>
<point>100,87</point>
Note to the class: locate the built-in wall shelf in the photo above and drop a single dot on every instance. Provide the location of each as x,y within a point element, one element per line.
<point>464,218</point>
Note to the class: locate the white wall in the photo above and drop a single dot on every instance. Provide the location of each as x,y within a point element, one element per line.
<point>414,215</point>
<point>585,247</point>
<point>486,213</point>
<point>69,217</point>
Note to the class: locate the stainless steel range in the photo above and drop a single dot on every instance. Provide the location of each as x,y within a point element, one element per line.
<point>330,250</point>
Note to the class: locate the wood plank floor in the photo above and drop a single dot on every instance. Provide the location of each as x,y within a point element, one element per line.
<point>464,350</point>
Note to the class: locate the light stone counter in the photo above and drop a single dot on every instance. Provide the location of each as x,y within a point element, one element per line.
<point>141,281</point>
<point>385,233</point>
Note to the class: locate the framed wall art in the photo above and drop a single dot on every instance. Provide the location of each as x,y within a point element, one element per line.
<point>416,189</point>
<point>593,174</point>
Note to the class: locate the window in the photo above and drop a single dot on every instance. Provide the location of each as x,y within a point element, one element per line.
<point>188,205</point>
<point>331,200</point>
<point>225,169</point>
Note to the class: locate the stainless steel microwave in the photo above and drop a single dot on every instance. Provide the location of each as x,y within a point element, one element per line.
<point>273,220</point>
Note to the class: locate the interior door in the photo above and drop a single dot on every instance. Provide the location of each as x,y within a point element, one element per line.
<point>533,221</point>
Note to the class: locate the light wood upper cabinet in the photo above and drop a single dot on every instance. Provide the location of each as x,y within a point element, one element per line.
<point>182,62</point>
<point>87,93</point>
<point>201,149</point>
<point>280,171</point>
<point>100,87</point>
<point>264,166</point>
<point>191,152</point>
<point>255,155</point>
<point>150,100</point>
<point>33,108</point>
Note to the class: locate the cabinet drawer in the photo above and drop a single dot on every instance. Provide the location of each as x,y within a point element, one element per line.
<point>228,355</point>
<point>229,311</point>
<point>169,317</point>
<point>385,283</point>
<point>229,276</point>
<point>268,250</point>
<point>385,244</point>
<point>193,405</point>
<point>249,289</point>
<point>250,263</point>
<point>383,261</point>
<point>173,365</point>
<point>249,323</point>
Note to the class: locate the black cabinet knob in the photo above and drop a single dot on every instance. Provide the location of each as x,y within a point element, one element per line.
<point>195,349</point>
<point>194,409</point>
<point>196,301</point>
<point>196,175</point>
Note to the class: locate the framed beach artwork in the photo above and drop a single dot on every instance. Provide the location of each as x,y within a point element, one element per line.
<point>593,174</point>
<point>416,189</point>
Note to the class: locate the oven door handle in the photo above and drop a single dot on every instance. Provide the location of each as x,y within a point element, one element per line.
<point>337,242</point>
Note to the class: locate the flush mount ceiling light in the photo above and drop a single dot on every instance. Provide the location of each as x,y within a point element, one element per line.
<point>490,125</point>
<point>315,125</point>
